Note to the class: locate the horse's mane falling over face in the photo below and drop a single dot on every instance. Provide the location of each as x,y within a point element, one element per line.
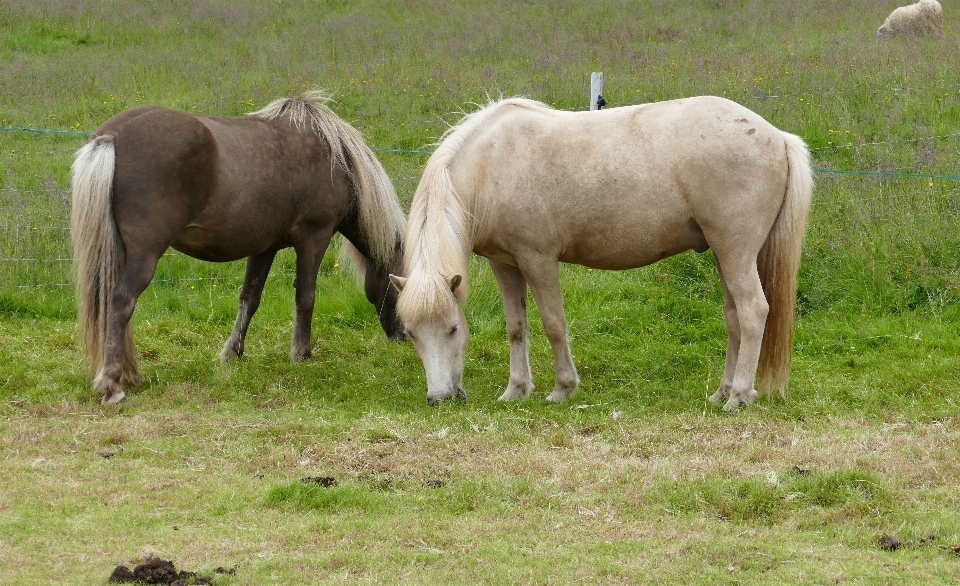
<point>442,225</point>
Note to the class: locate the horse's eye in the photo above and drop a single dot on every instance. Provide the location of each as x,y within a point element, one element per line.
<point>453,330</point>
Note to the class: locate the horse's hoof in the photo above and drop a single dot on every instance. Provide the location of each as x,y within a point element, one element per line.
<point>228,355</point>
<point>114,398</point>
<point>736,399</point>
<point>301,356</point>
<point>110,387</point>
<point>748,397</point>
<point>560,395</point>
<point>720,396</point>
<point>516,393</point>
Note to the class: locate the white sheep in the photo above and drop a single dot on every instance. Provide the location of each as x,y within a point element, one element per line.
<point>923,18</point>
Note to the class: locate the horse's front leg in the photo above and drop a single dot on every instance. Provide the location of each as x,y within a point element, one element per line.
<point>258,267</point>
<point>513,289</point>
<point>119,366</point>
<point>309,255</point>
<point>544,278</point>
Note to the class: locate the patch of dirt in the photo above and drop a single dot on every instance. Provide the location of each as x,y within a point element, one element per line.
<point>159,571</point>
<point>122,574</point>
<point>890,542</point>
<point>324,481</point>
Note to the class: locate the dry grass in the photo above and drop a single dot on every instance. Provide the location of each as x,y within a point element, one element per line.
<point>431,497</point>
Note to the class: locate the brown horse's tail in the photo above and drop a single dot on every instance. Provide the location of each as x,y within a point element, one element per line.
<point>98,253</point>
<point>778,263</point>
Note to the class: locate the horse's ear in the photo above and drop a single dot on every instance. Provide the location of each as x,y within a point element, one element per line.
<point>454,282</point>
<point>398,282</point>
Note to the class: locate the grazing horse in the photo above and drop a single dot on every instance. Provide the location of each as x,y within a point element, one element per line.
<point>527,187</point>
<point>221,189</point>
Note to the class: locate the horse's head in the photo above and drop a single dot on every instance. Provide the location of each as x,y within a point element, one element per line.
<point>376,286</point>
<point>440,336</point>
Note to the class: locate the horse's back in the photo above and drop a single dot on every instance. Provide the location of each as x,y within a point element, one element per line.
<point>203,156</point>
<point>623,187</point>
<point>220,188</point>
<point>275,183</point>
<point>114,123</point>
<point>256,155</point>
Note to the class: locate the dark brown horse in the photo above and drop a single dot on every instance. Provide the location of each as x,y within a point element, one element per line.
<point>221,189</point>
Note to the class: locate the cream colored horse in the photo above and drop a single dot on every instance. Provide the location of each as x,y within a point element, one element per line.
<point>527,187</point>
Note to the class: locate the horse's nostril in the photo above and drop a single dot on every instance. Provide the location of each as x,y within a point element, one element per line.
<point>433,402</point>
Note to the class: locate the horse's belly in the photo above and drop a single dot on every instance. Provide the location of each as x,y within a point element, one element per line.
<point>211,246</point>
<point>613,249</point>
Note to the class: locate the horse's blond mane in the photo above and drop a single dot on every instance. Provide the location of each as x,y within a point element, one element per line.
<point>442,226</point>
<point>381,219</point>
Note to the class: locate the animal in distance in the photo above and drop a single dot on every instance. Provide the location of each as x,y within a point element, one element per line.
<point>222,189</point>
<point>925,18</point>
<point>527,187</point>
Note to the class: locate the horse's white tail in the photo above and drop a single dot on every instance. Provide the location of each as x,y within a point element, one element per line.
<point>98,253</point>
<point>778,263</point>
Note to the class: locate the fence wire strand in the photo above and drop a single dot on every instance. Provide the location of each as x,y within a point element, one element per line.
<point>951,196</point>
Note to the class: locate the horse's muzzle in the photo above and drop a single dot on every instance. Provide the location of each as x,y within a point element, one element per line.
<point>400,336</point>
<point>459,396</point>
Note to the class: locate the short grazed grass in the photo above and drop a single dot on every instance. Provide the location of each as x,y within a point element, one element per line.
<point>491,493</point>
<point>637,479</point>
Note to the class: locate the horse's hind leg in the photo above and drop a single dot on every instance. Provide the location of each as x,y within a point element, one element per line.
<point>751,308</point>
<point>544,278</point>
<point>309,255</point>
<point>733,342</point>
<point>119,355</point>
<point>258,267</point>
<point>513,289</point>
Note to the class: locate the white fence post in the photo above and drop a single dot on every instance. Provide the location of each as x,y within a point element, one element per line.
<point>596,90</point>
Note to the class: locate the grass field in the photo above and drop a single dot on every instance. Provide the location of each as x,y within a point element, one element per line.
<point>636,479</point>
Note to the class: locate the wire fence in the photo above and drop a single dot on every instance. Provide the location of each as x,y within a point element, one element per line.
<point>813,150</point>
<point>36,254</point>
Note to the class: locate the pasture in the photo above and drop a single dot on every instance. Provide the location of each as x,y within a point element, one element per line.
<point>636,478</point>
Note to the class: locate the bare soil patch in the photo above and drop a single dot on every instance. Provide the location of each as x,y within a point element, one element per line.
<point>160,571</point>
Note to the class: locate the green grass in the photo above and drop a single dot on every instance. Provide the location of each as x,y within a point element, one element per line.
<point>637,479</point>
